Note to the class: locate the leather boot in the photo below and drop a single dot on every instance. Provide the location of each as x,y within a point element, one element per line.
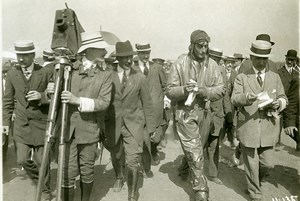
<point>119,171</point>
<point>67,194</point>
<point>133,177</point>
<point>86,189</point>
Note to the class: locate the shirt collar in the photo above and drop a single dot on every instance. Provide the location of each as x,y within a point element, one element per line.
<point>30,68</point>
<point>288,68</point>
<point>87,63</point>
<point>141,64</point>
<point>120,70</point>
<point>262,71</point>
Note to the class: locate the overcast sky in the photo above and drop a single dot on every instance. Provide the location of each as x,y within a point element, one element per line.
<point>166,24</point>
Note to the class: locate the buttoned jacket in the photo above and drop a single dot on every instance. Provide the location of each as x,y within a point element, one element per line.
<point>254,127</point>
<point>31,116</point>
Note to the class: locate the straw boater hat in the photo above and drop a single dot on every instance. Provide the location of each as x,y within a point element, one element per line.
<point>238,56</point>
<point>48,53</point>
<point>92,40</point>
<point>24,47</point>
<point>261,48</point>
<point>143,47</point>
<point>230,58</point>
<point>215,52</point>
<point>158,60</point>
<point>124,49</point>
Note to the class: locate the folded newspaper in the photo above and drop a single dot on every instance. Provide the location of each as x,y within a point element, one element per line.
<point>265,100</point>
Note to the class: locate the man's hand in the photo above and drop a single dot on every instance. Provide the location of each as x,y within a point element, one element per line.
<point>167,104</point>
<point>50,88</point>
<point>290,130</point>
<point>251,97</point>
<point>68,97</point>
<point>275,104</point>
<point>191,86</point>
<point>5,130</point>
<point>153,137</point>
<point>33,95</point>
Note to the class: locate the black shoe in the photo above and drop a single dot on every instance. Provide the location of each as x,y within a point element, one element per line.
<point>147,174</point>
<point>118,185</point>
<point>156,159</point>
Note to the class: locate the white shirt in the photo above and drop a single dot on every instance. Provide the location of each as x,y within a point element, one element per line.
<point>28,70</point>
<point>262,73</point>
<point>87,64</point>
<point>142,67</point>
<point>289,69</point>
<point>120,71</point>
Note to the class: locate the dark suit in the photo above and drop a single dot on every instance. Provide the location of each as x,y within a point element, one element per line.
<point>256,131</point>
<point>291,87</point>
<point>156,80</point>
<point>212,146</point>
<point>129,112</point>
<point>31,116</point>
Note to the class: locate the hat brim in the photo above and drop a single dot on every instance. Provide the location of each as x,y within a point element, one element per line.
<point>98,45</point>
<point>291,57</point>
<point>124,54</point>
<point>144,50</point>
<point>214,55</point>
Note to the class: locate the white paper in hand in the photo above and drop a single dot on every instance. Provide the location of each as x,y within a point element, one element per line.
<point>263,96</point>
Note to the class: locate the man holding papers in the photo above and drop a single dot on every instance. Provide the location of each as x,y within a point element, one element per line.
<point>257,121</point>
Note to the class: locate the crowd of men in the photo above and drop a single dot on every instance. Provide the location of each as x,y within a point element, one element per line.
<point>124,101</point>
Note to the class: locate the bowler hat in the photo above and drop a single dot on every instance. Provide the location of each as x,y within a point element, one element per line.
<point>143,47</point>
<point>92,40</point>
<point>265,37</point>
<point>291,54</point>
<point>238,56</point>
<point>24,47</point>
<point>124,49</point>
<point>215,52</point>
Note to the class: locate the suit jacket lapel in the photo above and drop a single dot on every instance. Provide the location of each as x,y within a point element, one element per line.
<point>36,77</point>
<point>286,74</point>
<point>129,84</point>
<point>115,78</point>
<point>252,81</point>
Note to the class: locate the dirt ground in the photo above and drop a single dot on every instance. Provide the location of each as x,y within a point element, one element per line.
<point>166,185</point>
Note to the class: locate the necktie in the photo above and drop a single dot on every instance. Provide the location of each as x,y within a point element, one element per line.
<point>27,73</point>
<point>146,70</point>
<point>124,80</point>
<point>259,78</point>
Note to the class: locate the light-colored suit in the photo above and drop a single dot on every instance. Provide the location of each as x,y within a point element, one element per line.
<point>256,131</point>
<point>254,127</point>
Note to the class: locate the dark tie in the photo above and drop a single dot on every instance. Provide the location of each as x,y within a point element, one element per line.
<point>146,70</point>
<point>124,80</point>
<point>259,78</point>
<point>27,73</point>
